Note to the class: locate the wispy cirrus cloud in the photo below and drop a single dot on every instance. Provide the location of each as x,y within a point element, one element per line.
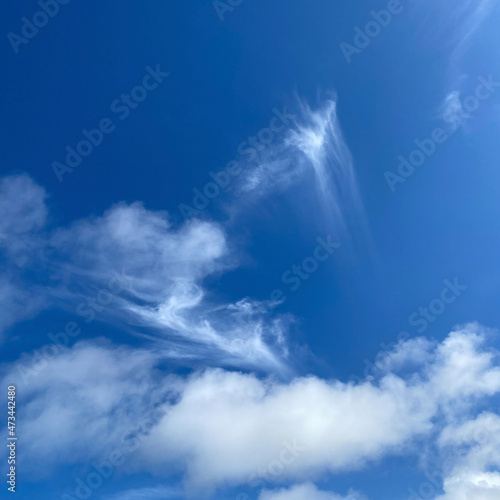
<point>159,493</point>
<point>313,158</point>
<point>468,16</point>
<point>163,266</point>
<point>462,24</point>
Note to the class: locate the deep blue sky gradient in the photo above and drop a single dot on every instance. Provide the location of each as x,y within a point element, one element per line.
<point>225,80</point>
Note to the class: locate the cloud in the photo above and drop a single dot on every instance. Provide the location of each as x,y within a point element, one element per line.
<point>228,426</point>
<point>83,401</point>
<point>458,22</point>
<point>22,212</point>
<point>218,427</point>
<point>161,269</point>
<point>307,491</point>
<point>324,151</point>
<point>164,268</point>
<point>460,30</point>
<point>475,448</point>
<point>23,215</point>
<point>452,110</point>
<point>470,15</point>
<point>158,493</point>
<point>221,428</point>
<point>18,302</point>
<point>314,155</point>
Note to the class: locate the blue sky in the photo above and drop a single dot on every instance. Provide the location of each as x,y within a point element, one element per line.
<point>249,249</point>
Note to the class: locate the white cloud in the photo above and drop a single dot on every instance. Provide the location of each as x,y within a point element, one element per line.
<point>470,15</point>
<point>457,21</point>
<point>22,209</point>
<point>413,352</point>
<point>314,155</point>
<point>452,110</point>
<point>164,268</point>
<point>475,448</point>
<point>84,401</point>
<point>227,426</point>
<point>222,428</point>
<point>158,493</point>
<point>307,491</point>
<point>23,215</point>
<point>324,151</point>
<point>161,267</point>
<point>475,486</point>
<point>18,302</point>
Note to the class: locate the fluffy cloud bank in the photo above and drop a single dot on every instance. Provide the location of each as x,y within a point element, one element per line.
<point>229,427</point>
<point>307,491</point>
<point>222,428</point>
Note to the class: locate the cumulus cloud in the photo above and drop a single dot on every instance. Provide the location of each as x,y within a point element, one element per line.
<point>475,446</point>
<point>307,491</point>
<point>221,428</point>
<point>228,426</point>
<point>83,401</point>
